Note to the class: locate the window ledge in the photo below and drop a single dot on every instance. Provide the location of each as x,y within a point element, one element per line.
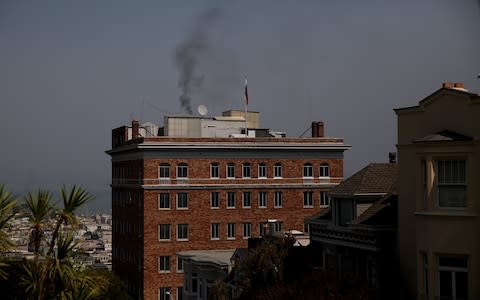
<point>446,213</point>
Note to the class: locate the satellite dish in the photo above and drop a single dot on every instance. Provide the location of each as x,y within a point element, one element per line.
<point>202,110</point>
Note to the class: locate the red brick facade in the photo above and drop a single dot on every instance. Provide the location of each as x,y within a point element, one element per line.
<point>136,188</point>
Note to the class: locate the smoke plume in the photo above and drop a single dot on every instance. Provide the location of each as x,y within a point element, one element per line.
<point>188,54</point>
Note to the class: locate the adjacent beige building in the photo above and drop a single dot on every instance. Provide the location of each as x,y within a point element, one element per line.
<point>439,195</point>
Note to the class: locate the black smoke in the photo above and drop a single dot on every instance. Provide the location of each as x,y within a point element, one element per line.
<point>189,53</point>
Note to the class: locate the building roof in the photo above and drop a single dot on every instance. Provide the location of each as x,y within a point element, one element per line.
<point>444,135</point>
<point>384,206</point>
<point>376,178</point>
<point>218,257</point>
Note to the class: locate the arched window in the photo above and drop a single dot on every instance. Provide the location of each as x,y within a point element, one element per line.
<point>182,171</point>
<point>324,171</point>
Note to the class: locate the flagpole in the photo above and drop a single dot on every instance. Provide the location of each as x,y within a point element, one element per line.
<point>246,107</point>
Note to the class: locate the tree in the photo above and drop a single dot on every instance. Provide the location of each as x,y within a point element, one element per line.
<point>7,203</point>
<point>39,209</point>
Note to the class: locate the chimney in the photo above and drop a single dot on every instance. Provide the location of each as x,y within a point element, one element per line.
<point>135,129</point>
<point>447,85</point>
<point>458,85</point>
<point>392,157</point>
<point>318,129</point>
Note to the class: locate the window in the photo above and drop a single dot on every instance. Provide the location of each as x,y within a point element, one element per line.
<point>215,199</point>
<point>247,230</point>
<point>451,183</point>
<point>324,200</point>
<point>182,232</point>
<point>263,228</point>
<point>453,277</point>
<point>164,264</point>
<point>164,293</point>
<point>164,201</point>
<point>215,232</point>
<point>344,211</point>
<point>277,170</point>
<point>276,226</point>
<point>308,199</point>
<point>164,171</point>
<point>262,199</point>
<point>179,264</point>
<point>247,199</point>
<point>306,227</point>
<point>230,200</point>
<point>324,172</point>
<point>278,199</point>
<point>308,170</point>
<point>214,170</point>
<point>231,170</point>
<point>262,170</point>
<point>424,259</point>
<point>182,201</point>
<point>179,293</point>
<point>231,231</point>
<point>246,170</point>
<point>182,171</point>
<point>164,232</point>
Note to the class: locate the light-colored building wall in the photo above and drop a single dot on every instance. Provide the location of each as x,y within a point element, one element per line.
<point>427,229</point>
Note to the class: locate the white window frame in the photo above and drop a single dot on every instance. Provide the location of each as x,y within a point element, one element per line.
<point>182,171</point>
<point>277,171</point>
<point>160,201</point>
<point>324,168</point>
<point>278,199</point>
<point>179,230</point>
<point>247,230</point>
<point>179,264</point>
<point>215,231</point>
<point>161,262</point>
<point>160,171</point>
<point>262,197</point>
<point>228,200</point>
<point>446,184</point>
<point>262,171</point>
<point>160,232</point>
<point>308,199</point>
<point>230,168</point>
<point>453,270</point>
<point>231,231</point>
<point>164,293</point>
<point>246,170</point>
<point>178,201</point>
<point>214,171</point>
<point>308,170</point>
<point>245,198</point>
<point>216,199</point>
<point>324,199</point>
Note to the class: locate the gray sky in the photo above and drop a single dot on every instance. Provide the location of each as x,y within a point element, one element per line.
<point>70,71</point>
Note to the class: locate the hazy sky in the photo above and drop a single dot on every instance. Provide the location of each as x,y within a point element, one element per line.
<point>70,71</point>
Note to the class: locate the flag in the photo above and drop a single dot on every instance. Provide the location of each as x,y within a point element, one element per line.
<point>246,92</point>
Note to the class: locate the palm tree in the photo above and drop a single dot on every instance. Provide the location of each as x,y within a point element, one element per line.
<point>7,203</point>
<point>40,209</point>
<point>72,199</point>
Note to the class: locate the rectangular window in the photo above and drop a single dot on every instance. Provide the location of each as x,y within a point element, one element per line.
<point>324,200</point>
<point>453,277</point>
<point>182,200</point>
<point>262,199</point>
<point>164,201</point>
<point>164,293</point>
<point>247,199</point>
<point>451,183</point>
<point>262,171</point>
<point>247,230</point>
<point>277,226</point>
<point>214,170</point>
<point>179,264</point>
<point>179,293</point>
<point>182,171</point>
<point>164,232</point>
<point>231,200</point>
<point>164,264</point>
<point>278,199</point>
<point>246,172</point>
<point>182,232</point>
<point>215,199</point>
<point>277,171</point>
<point>307,199</point>
<point>262,228</point>
<point>215,231</point>
<point>306,227</point>
<point>324,171</point>
<point>230,171</point>
<point>308,171</point>
<point>231,231</point>
<point>164,171</point>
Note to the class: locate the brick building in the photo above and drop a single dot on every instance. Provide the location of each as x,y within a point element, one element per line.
<point>201,183</point>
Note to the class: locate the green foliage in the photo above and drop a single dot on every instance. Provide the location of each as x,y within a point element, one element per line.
<point>55,274</point>
<point>7,203</point>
